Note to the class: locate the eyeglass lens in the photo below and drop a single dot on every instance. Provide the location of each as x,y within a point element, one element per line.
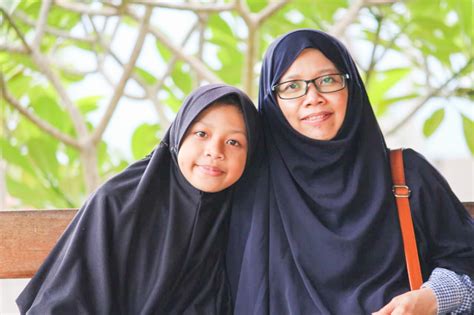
<point>324,84</point>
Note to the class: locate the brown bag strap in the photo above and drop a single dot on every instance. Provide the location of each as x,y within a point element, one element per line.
<point>402,193</point>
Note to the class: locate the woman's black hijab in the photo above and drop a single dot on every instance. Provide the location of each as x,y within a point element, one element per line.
<point>324,237</point>
<point>146,242</point>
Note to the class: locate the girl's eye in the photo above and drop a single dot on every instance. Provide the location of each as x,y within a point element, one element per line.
<point>200,134</point>
<point>233,142</point>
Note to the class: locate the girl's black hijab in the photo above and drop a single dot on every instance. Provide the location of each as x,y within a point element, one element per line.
<point>146,242</point>
<point>326,230</point>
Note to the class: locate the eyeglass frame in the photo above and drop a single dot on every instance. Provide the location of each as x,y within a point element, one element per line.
<point>344,76</point>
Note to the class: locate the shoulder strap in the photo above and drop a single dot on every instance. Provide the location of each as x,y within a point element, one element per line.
<point>402,193</point>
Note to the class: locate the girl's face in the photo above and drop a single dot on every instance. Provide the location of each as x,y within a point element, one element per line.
<point>315,115</point>
<point>214,149</point>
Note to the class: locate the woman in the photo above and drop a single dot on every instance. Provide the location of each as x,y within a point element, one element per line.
<point>152,239</point>
<point>324,235</point>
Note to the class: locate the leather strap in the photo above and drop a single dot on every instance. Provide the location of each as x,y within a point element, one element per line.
<point>402,193</point>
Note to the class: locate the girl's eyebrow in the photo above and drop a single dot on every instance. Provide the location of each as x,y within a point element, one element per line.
<point>208,125</point>
<point>318,73</point>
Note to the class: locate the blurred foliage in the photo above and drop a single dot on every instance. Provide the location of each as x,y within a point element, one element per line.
<point>433,38</point>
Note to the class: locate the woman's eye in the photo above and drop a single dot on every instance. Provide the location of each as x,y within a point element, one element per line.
<point>233,142</point>
<point>327,80</point>
<point>200,134</point>
<point>293,86</point>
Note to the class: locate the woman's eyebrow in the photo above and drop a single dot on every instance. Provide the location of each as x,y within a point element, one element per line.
<point>318,73</point>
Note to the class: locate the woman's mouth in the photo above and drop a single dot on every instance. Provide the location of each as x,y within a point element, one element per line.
<point>315,119</point>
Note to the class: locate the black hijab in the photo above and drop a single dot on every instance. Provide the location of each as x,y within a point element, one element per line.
<point>146,242</point>
<point>324,238</point>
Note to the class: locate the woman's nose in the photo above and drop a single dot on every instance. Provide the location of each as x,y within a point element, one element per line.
<point>313,96</point>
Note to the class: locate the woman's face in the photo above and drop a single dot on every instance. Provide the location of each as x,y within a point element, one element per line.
<point>316,115</point>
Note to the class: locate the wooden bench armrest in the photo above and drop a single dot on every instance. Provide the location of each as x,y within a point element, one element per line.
<point>26,238</point>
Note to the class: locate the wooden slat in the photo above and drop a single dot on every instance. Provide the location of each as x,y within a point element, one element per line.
<point>27,236</point>
<point>470,207</point>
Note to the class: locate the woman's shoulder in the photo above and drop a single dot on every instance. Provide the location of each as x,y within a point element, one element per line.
<point>417,165</point>
<point>421,175</point>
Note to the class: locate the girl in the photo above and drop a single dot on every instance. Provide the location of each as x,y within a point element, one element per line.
<point>324,237</point>
<point>151,239</point>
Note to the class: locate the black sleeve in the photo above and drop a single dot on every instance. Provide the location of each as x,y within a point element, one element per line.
<point>444,228</point>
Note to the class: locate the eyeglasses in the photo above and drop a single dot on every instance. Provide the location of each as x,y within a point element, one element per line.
<point>327,83</point>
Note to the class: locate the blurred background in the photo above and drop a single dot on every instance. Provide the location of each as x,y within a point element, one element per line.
<point>87,87</point>
<point>90,86</point>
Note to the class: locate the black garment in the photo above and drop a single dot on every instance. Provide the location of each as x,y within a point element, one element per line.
<point>324,237</point>
<point>146,242</point>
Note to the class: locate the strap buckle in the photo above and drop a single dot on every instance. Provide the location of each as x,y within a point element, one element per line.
<point>401,191</point>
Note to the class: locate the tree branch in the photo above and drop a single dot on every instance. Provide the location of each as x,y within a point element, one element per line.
<point>269,10</point>
<point>424,99</point>
<point>164,121</point>
<point>172,61</point>
<point>374,49</point>
<point>351,15</point>
<point>86,9</point>
<point>253,21</point>
<point>193,62</point>
<point>100,60</point>
<point>127,72</point>
<point>43,125</point>
<point>17,30</point>
<point>202,22</point>
<point>13,49</point>
<point>52,30</point>
<point>45,67</point>
<point>41,23</point>
<point>196,7</point>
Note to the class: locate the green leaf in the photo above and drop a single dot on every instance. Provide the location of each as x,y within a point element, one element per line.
<point>62,18</point>
<point>468,127</point>
<point>465,92</point>
<point>144,139</point>
<point>164,52</point>
<point>17,84</point>
<point>432,123</point>
<point>257,6</point>
<point>182,78</point>
<point>171,100</point>
<point>13,156</point>
<point>381,83</point>
<point>46,106</point>
<point>9,5</point>
<point>33,196</point>
<point>219,27</point>
<point>145,75</point>
<point>70,76</point>
<point>42,153</point>
<point>24,60</point>
<point>88,104</point>
<point>384,104</point>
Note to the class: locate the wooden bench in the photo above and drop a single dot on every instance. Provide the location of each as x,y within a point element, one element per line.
<point>27,236</point>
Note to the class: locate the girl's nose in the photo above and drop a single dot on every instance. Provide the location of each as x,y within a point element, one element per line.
<point>214,150</point>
